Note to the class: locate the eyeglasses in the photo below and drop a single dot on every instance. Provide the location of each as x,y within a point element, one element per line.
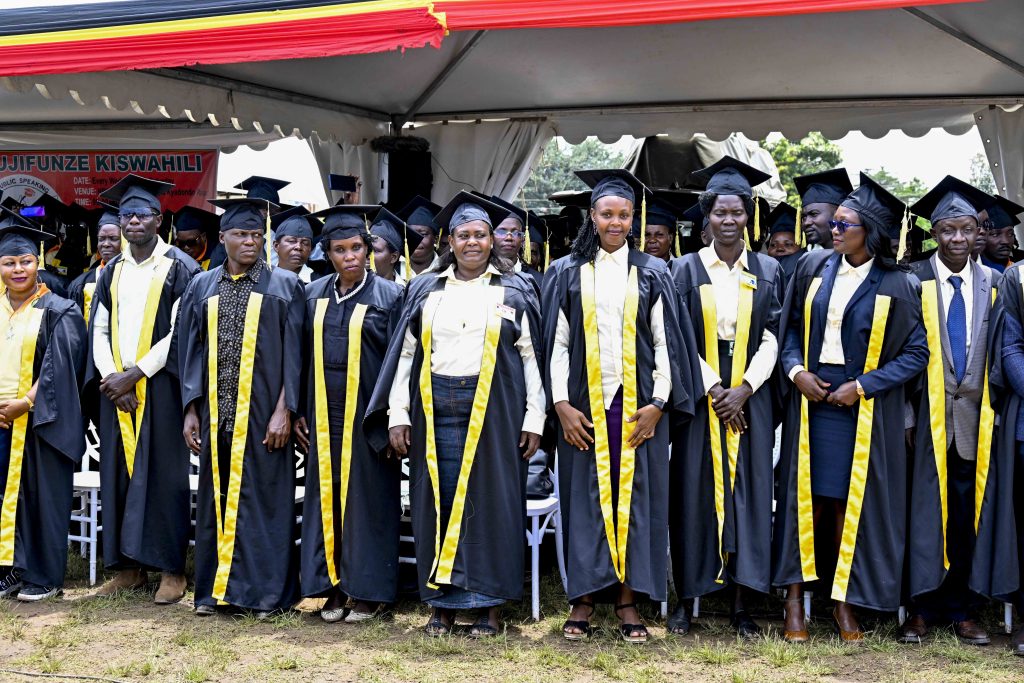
<point>502,233</point>
<point>189,243</point>
<point>141,215</point>
<point>843,226</point>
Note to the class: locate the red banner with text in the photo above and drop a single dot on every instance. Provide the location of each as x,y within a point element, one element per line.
<point>78,177</point>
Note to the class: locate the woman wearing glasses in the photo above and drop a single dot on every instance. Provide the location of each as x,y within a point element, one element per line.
<point>722,462</point>
<point>852,340</point>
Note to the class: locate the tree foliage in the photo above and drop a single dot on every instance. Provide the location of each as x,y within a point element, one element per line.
<point>554,171</point>
<point>981,174</point>
<point>908,191</point>
<point>812,154</point>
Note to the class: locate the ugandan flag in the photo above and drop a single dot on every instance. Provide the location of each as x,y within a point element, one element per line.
<point>146,34</point>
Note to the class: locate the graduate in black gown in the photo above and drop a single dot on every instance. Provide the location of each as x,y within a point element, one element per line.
<point>351,511</point>
<point>143,483</point>
<point>782,240</point>
<point>955,422</point>
<point>618,367</point>
<point>722,483</point>
<point>42,360</point>
<point>239,341</point>
<point>389,243</point>
<point>514,238</point>
<point>660,237</point>
<point>461,394</point>
<point>108,245</point>
<point>852,341</point>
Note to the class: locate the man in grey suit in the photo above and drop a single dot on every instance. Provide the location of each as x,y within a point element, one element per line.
<point>956,302</point>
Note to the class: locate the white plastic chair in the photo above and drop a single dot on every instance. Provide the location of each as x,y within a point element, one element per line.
<point>545,516</point>
<point>86,512</point>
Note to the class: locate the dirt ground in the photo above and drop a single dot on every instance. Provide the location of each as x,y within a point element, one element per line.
<point>128,638</point>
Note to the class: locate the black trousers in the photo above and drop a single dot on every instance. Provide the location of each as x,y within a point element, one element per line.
<point>954,601</point>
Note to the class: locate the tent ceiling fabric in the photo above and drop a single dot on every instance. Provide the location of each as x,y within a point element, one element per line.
<point>885,69</point>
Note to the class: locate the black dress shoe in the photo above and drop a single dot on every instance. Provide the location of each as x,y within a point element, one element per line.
<point>1017,643</point>
<point>679,621</point>
<point>745,627</point>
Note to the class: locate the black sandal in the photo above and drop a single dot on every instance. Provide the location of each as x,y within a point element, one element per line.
<point>482,628</point>
<point>627,630</point>
<point>436,628</point>
<point>583,626</point>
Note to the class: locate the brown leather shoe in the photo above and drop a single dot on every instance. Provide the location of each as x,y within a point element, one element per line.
<point>795,627</point>
<point>854,636</point>
<point>914,630</point>
<point>124,580</point>
<point>1017,642</point>
<point>971,632</point>
<point>172,589</point>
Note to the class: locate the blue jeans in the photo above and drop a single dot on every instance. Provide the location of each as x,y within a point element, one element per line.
<point>453,405</point>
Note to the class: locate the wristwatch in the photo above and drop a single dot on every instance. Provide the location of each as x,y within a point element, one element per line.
<point>860,389</point>
<point>658,403</point>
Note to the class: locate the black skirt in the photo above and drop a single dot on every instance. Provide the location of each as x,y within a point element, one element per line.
<point>833,430</point>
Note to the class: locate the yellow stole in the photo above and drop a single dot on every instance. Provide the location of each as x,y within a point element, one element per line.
<point>226,523</point>
<point>986,429</point>
<point>19,430</point>
<point>323,428</point>
<point>616,523</point>
<point>130,432</point>
<point>861,454</point>
<point>804,502</point>
<point>444,554</point>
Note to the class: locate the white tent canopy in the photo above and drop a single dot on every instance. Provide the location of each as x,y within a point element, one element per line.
<point>910,69</point>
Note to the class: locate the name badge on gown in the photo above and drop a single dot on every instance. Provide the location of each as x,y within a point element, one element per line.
<point>748,280</point>
<point>506,312</point>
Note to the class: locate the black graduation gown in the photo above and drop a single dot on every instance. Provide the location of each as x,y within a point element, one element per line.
<point>788,264</point>
<point>365,549</point>
<point>995,569</point>
<point>53,446</point>
<point>489,557</point>
<point>535,277</point>
<point>925,542</point>
<point>263,567</point>
<point>146,515</point>
<point>589,564</point>
<point>697,560</point>
<point>871,559</point>
<point>81,291</point>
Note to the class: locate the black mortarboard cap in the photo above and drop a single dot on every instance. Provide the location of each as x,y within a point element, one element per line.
<point>877,206</point>
<point>951,198</point>
<point>1002,212</point>
<point>243,214</point>
<point>696,216</point>
<point>420,211</point>
<point>108,217</point>
<point>260,187</point>
<point>614,182</point>
<point>394,231</point>
<point>660,212</point>
<point>571,198</point>
<point>135,192</point>
<point>827,187</point>
<point>189,218</point>
<point>466,207</point>
<point>341,183</point>
<point>729,176</point>
<point>345,221</point>
<point>527,218</point>
<point>782,219</point>
<point>19,235</point>
<point>301,225</point>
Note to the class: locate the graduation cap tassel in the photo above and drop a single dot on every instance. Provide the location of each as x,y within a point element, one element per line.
<point>904,227</point>
<point>88,243</point>
<point>373,263</point>
<point>643,220</point>
<point>42,253</point>
<point>266,237</point>
<point>408,261</point>
<point>799,227</point>
<point>547,252</point>
<point>757,221</point>
<point>675,240</point>
<point>527,248</point>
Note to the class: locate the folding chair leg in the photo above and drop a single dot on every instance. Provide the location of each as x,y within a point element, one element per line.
<point>535,539</point>
<point>901,615</point>
<point>1008,617</point>
<point>560,550</point>
<point>696,607</point>
<point>94,521</point>
<point>807,604</point>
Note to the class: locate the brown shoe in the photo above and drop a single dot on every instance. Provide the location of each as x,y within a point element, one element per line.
<point>914,630</point>
<point>124,580</point>
<point>172,589</point>
<point>1017,642</point>
<point>854,636</point>
<point>795,622</point>
<point>971,632</point>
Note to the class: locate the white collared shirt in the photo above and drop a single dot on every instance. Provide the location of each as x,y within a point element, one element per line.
<point>848,279</point>
<point>132,291</point>
<point>457,347</point>
<point>946,290</point>
<point>726,283</point>
<point>611,274</point>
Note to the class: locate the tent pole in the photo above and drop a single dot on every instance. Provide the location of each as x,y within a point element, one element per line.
<point>446,72</point>
<point>966,39</point>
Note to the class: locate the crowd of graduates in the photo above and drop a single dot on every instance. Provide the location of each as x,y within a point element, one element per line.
<point>779,398</point>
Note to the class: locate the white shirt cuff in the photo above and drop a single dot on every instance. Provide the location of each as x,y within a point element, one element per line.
<point>794,371</point>
<point>398,418</point>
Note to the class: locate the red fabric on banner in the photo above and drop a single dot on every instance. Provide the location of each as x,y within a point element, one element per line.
<point>346,35</point>
<point>475,15</point>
